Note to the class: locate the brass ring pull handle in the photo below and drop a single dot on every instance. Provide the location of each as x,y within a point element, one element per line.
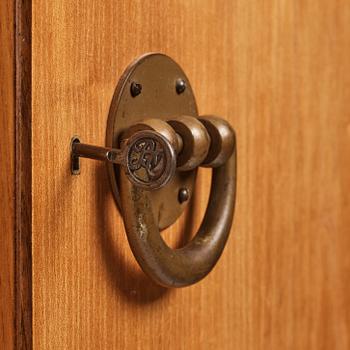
<point>153,164</point>
<point>185,266</point>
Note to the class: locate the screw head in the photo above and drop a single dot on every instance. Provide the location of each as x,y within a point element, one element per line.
<point>135,89</point>
<point>180,86</point>
<point>184,195</point>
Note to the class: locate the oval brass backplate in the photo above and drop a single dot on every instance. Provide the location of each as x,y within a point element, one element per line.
<point>153,86</point>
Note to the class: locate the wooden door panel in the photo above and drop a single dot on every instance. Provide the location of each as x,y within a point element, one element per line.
<point>7,179</point>
<point>280,73</point>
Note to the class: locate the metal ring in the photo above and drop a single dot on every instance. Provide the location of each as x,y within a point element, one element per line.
<point>222,141</point>
<point>185,266</point>
<point>196,141</point>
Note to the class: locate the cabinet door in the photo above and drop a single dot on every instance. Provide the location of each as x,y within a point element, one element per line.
<point>279,72</point>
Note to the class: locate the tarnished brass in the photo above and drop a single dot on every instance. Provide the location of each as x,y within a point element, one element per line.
<point>147,157</point>
<point>222,141</point>
<point>157,74</point>
<point>160,126</point>
<point>153,129</point>
<point>196,142</point>
<point>185,266</point>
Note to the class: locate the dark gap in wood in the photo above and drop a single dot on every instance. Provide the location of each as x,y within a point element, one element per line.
<point>23,246</point>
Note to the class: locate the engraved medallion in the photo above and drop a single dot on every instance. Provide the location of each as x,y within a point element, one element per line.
<point>150,159</point>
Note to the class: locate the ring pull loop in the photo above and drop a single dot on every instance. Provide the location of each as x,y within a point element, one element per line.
<point>185,266</point>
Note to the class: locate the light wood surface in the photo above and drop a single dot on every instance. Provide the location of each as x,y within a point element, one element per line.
<point>279,71</point>
<point>7,177</point>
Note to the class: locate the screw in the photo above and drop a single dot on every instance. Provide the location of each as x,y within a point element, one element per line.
<point>135,89</point>
<point>180,86</point>
<point>184,195</point>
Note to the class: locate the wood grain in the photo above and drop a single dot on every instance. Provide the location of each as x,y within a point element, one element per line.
<point>279,71</point>
<point>7,178</point>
